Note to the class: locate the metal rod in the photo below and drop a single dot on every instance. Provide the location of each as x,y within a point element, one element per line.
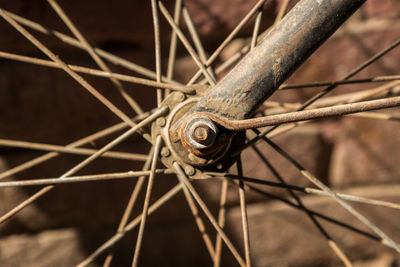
<point>303,115</point>
<point>279,54</point>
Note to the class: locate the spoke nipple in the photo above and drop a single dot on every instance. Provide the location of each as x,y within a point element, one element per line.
<point>189,170</point>
<point>165,152</point>
<point>161,121</point>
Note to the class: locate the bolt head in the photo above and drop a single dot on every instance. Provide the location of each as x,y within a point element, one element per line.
<point>200,132</point>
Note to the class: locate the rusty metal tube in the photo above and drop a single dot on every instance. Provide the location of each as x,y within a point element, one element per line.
<point>277,56</point>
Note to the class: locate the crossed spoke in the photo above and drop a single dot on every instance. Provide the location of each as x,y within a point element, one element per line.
<point>82,164</point>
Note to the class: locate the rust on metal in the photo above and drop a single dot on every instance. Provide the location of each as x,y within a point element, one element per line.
<point>318,113</point>
<point>278,55</point>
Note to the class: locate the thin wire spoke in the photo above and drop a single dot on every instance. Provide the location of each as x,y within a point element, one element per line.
<point>336,249</point>
<point>185,182</point>
<point>282,11</point>
<point>385,89</point>
<point>309,190</point>
<point>122,77</point>
<point>135,106</point>
<point>246,48</point>
<point>199,222</point>
<point>186,43</point>
<point>157,47</point>
<point>388,89</point>
<point>89,139</point>
<point>130,226</point>
<point>82,164</point>
<point>359,199</point>
<point>256,28</point>
<point>280,129</point>
<point>376,115</point>
<point>83,178</point>
<point>243,211</point>
<point>146,204</point>
<point>334,196</point>
<point>70,150</point>
<point>221,222</point>
<point>72,73</point>
<point>131,203</point>
<point>375,79</point>
<point>196,40</point>
<point>315,213</point>
<point>73,42</point>
<point>353,73</point>
<point>173,43</point>
<point>229,38</point>
<point>329,89</point>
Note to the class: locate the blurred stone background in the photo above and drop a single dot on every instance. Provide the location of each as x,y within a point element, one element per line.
<point>38,104</point>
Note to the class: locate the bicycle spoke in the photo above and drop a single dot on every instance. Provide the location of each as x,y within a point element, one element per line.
<point>186,43</point>
<point>83,178</point>
<point>339,253</point>
<point>104,54</point>
<point>72,73</point>
<point>334,196</point>
<point>378,116</point>
<point>352,73</point>
<point>329,89</point>
<point>359,96</point>
<point>243,210</point>
<point>308,190</point>
<point>256,28</point>
<point>135,106</point>
<point>388,89</point>
<point>121,77</point>
<point>246,48</point>
<point>130,226</point>
<point>131,203</point>
<point>366,114</point>
<point>199,222</point>
<point>315,213</point>
<point>70,150</point>
<point>80,142</point>
<point>145,210</point>
<point>229,38</point>
<point>282,11</point>
<point>221,222</point>
<point>196,40</point>
<point>82,164</point>
<point>340,82</point>
<point>173,43</point>
<point>156,25</point>
<point>185,182</point>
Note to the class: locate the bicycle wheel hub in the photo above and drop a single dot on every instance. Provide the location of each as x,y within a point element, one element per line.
<point>197,144</point>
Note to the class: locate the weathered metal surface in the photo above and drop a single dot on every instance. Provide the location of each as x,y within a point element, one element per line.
<point>177,150</point>
<point>318,113</point>
<point>278,55</point>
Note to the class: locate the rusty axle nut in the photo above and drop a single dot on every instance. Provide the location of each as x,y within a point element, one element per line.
<point>200,132</point>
